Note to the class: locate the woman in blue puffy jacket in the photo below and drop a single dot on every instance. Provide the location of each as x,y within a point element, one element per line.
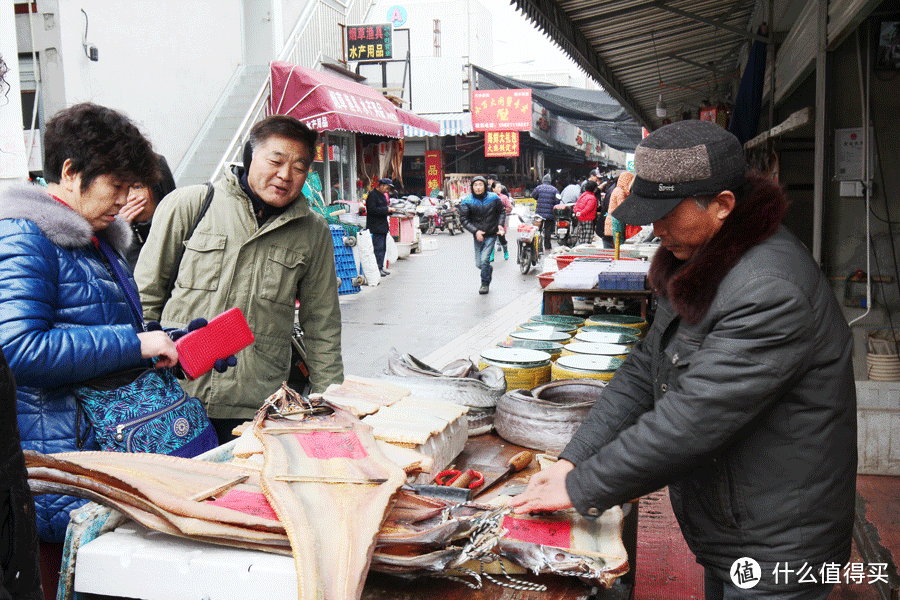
<point>63,316</point>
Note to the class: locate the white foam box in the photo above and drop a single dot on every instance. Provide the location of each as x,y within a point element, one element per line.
<point>878,427</point>
<point>133,562</point>
<point>429,243</point>
<point>408,424</point>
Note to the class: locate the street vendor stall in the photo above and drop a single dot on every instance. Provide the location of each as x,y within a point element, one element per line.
<point>134,562</point>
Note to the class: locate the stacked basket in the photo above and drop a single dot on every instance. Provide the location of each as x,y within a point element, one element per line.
<point>344,262</point>
<point>883,359</point>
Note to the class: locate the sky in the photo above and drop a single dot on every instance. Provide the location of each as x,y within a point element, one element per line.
<point>518,40</point>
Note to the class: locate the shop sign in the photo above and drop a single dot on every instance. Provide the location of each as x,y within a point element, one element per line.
<point>501,143</point>
<point>369,42</point>
<point>433,167</point>
<point>320,152</point>
<point>501,110</point>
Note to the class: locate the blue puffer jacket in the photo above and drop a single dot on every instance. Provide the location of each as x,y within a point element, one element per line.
<point>63,319</point>
<point>545,194</point>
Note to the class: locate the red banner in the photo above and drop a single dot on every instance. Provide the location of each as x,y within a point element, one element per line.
<point>501,143</point>
<point>434,176</point>
<point>501,110</point>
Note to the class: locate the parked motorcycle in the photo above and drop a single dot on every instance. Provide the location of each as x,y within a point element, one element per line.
<point>441,215</point>
<point>450,217</point>
<point>566,223</point>
<point>529,240</point>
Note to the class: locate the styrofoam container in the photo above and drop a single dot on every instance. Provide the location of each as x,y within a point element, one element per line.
<point>878,427</point>
<point>403,249</point>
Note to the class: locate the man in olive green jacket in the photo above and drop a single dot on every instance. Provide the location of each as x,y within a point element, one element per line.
<point>260,248</point>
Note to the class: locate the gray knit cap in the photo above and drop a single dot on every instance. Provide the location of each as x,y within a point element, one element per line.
<point>678,161</point>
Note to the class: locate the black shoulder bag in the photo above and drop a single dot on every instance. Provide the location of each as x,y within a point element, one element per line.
<point>203,208</point>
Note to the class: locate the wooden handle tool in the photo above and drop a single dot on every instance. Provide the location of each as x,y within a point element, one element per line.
<point>513,465</point>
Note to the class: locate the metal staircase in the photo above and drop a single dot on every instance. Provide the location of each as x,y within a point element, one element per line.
<point>209,148</point>
<point>221,138</point>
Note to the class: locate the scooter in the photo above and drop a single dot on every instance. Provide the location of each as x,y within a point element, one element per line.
<point>566,223</point>
<point>529,240</point>
<point>450,217</point>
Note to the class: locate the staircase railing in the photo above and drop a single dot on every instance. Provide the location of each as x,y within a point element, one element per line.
<point>305,46</point>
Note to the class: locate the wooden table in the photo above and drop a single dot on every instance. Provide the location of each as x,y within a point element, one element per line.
<point>490,449</point>
<point>558,301</point>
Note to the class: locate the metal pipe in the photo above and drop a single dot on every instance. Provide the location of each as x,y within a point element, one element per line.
<point>821,118</point>
<point>37,88</point>
<point>864,91</point>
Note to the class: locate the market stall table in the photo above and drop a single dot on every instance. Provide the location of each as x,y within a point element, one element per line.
<point>133,562</point>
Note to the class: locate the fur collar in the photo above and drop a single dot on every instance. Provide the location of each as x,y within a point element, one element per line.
<point>59,223</point>
<point>691,286</point>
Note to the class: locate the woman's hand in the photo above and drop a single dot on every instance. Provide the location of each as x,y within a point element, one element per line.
<point>133,207</point>
<point>157,344</point>
<point>546,490</point>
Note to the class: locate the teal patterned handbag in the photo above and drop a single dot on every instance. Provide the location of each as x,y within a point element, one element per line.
<point>146,410</point>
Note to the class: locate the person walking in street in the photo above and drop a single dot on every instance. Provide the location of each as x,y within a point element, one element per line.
<point>378,209</point>
<point>503,194</point>
<point>741,398</point>
<point>547,197</point>
<point>482,214</point>
<point>260,248</point>
<point>586,212</point>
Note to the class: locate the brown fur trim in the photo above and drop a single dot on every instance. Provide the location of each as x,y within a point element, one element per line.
<point>691,286</point>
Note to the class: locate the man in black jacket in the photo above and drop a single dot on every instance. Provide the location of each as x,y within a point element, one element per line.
<point>377,210</point>
<point>482,214</point>
<point>741,398</point>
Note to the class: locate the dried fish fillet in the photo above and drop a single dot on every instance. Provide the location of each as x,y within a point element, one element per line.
<point>364,396</point>
<point>331,488</point>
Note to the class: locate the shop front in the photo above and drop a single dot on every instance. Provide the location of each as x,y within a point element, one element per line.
<point>361,130</point>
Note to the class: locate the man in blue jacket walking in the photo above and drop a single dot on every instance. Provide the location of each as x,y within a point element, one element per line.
<point>481,213</point>
<point>547,197</point>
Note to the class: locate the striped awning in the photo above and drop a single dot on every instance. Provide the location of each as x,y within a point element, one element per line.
<point>451,124</point>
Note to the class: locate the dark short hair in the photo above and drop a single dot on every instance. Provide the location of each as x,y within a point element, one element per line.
<point>590,186</point>
<point>284,126</point>
<point>98,141</point>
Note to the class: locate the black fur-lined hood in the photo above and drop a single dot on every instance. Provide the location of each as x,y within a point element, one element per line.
<point>62,225</point>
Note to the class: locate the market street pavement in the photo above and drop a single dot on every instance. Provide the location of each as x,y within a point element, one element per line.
<point>429,307</point>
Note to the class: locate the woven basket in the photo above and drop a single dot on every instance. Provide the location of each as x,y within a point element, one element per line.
<point>554,349</point>
<point>584,367</point>
<point>524,368</point>
<point>592,349</point>
<point>638,323</point>
<point>557,320</point>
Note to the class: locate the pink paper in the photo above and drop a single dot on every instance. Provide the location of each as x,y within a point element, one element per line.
<point>331,444</point>
<point>251,503</point>
<point>545,533</point>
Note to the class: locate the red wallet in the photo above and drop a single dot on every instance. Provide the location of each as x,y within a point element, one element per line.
<point>225,335</point>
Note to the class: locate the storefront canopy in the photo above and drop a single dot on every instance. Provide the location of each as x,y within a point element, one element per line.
<point>448,124</point>
<point>326,102</point>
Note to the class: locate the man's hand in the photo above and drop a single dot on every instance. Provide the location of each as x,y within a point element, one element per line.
<point>546,490</point>
<point>501,230</point>
<point>479,235</point>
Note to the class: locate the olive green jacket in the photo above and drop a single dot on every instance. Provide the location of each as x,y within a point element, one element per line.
<point>231,261</point>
